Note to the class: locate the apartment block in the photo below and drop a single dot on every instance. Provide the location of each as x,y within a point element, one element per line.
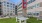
<point>34,8</point>
<point>7,8</point>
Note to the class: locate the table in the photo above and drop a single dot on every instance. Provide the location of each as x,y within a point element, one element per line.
<point>21,19</point>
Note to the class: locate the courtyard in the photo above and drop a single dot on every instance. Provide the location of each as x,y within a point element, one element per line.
<point>13,20</point>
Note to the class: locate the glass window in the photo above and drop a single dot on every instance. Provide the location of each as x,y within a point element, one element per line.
<point>31,1</point>
<point>0,5</point>
<point>28,8</point>
<point>7,11</point>
<point>0,13</point>
<point>40,4</point>
<point>0,8</point>
<point>25,0</point>
<point>0,2</point>
<point>7,2</point>
<point>10,13</point>
<point>11,6</point>
<point>4,3</point>
<point>25,5</point>
<point>37,4</point>
<point>36,14</point>
<point>7,5</point>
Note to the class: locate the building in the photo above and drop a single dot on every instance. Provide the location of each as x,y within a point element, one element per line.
<point>34,8</point>
<point>7,8</point>
<point>16,10</point>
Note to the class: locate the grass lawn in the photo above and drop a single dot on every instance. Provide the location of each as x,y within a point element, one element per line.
<point>13,20</point>
<point>8,20</point>
<point>34,20</point>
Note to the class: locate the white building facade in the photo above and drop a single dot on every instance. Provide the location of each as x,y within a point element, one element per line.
<point>34,7</point>
<point>8,8</point>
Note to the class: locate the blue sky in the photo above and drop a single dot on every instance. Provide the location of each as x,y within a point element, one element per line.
<point>16,1</point>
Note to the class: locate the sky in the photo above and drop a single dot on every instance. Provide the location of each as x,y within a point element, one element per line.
<point>16,1</point>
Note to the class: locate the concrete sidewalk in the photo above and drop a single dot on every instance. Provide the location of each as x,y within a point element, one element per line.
<point>4,17</point>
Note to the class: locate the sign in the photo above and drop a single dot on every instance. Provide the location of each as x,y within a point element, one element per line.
<point>24,4</point>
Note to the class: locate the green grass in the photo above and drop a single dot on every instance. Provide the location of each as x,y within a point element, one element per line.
<point>13,20</point>
<point>34,20</point>
<point>8,20</point>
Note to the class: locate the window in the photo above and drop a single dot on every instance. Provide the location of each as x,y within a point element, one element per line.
<point>5,10</point>
<point>7,5</point>
<point>7,2</point>
<point>24,4</point>
<point>4,4</point>
<point>13,4</point>
<point>34,6</point>
<point>19,7</point>
<point>29,13</point>
<point>0,2</point>
<point>25,0</point>
<point>13,11</point>
<point>38,4</point>
<point>0,12</point>
<point>0,5</point>
<point>41,4</point>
